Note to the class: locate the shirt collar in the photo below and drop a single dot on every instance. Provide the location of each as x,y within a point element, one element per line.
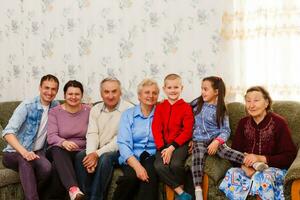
<point>138,111</point>
<point>210,105</point>
<point>38,102</point>
<point>104,108</point>
<point>264,122</point>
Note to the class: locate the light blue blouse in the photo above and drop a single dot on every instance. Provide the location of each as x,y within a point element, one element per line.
<point>135,134</point>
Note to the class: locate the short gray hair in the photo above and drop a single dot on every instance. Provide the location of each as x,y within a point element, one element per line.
<point>112,79</point>
<point>147,82</point>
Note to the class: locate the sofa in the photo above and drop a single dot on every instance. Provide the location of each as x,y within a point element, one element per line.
<point>215,168</point>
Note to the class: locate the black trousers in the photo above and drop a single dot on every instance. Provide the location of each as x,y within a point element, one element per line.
<point>64,165</point>
<point>56,190</point>
<point>174,173</point>
<point>129,185</point>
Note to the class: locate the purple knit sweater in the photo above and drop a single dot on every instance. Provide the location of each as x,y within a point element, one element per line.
<point>63,125</point>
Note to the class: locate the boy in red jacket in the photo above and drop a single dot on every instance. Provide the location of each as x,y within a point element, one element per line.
<point>172,129</point>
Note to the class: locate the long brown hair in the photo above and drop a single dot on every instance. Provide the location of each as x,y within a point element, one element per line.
<point>218,84</point>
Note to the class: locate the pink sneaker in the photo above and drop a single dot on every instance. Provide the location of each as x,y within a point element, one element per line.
<point>75,193</point>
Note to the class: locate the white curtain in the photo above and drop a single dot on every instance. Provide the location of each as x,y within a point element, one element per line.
<point>260,46</point>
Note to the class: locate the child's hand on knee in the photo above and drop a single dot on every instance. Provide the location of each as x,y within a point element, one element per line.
<point>191,146</point>
<point>166,154</point>
<point>213,147</point>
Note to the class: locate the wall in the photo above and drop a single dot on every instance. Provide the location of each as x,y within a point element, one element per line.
<point>89,40</point>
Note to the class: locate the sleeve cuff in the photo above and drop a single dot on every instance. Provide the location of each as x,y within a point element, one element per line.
<point>6,132</point>
<point>220,140</point>
<point>60,142</point>
<point>175,144</point>
<point>161,148</point>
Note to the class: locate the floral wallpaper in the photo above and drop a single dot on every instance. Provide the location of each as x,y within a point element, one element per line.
<point>89,40</point>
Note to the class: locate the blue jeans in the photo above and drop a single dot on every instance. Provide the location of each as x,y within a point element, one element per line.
<point>95,185</point>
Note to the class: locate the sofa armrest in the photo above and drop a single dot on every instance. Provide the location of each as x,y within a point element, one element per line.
<point>295,190</point>
<point>292,179</point>
<point>293,172</point>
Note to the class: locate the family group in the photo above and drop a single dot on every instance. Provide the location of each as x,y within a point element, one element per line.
<point>74,147</point>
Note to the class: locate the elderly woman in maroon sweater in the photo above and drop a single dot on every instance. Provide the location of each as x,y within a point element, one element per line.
<point>263,136</point>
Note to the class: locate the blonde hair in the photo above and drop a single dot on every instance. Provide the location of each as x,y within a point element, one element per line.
<point>172,77</point>
<point>147,82</point>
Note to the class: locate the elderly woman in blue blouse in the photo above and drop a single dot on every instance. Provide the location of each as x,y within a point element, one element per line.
<point>137,147</point>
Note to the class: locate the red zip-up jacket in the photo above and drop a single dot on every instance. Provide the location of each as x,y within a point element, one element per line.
<point>172,124</point>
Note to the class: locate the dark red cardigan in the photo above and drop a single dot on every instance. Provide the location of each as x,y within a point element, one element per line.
<point>271,138</point>
<point>172,124</point>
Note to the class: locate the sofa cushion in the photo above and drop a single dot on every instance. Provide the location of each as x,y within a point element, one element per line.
<point>2,142</point>
<point>6,110</point>
<point>8,176</point>
<point>236,111</point>
<point>291,112</point>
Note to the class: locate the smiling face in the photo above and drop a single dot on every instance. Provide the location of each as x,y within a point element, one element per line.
<point>111,94</point>
<point>208,93</point>
<point>148,95</point>
<point>73,96</point>
<point>48,90</point>
<point>256,105</point>
<point>173,89</point>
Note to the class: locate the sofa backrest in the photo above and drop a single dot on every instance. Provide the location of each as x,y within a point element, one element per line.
<point>2,143</point>
<point>6,111</point>
<point>290,110</point>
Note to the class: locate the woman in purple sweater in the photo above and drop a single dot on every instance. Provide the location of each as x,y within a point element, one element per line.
<point>263,136</point>
<point>67,126</point>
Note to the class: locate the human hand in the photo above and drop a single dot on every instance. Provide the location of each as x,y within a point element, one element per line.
<point>30,155</point>
<point>213,147</point>
<point>69,145</point>
<point>250,159</point>
<point>90,160</point>
<point>141,173</point>
<point>166,154</point>
<point>249,171</point>
<point>191,146</point>
<point>90,170</point>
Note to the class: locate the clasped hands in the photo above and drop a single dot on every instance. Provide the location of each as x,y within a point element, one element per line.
<point>249,160</point>
<point>69,145</point>
<point>90,162</point>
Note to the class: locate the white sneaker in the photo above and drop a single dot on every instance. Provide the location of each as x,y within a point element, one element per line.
<point>260,166</point>
<point>198,194</point>
<point>75,193</point>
